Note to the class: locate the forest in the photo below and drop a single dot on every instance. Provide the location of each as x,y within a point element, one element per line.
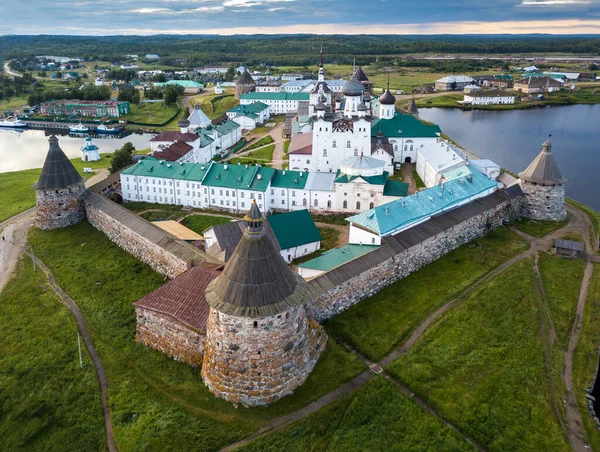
<point>291,50</point>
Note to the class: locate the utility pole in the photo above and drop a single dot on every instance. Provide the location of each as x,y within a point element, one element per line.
<point>79,346</point>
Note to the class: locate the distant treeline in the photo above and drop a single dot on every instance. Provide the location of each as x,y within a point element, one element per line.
<point>289,50</point>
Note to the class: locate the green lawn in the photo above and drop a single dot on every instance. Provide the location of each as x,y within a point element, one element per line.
<point>378,324</point>
<point>329,239</point>
<point>539,228</point>
<point>262,156</point>
<point>262,142</point>
<point>418,181</point>
<point>482,367</point>
<point>286,146</point>
<point>338,219</point>
<point>151,113</point>
<point>216,105</point>
<point>562,280</point>
<point>158,403</point>
<point>17,193</point>
<point>46,400</point>
<point>200,223</point>
<point>593,214</point>
<point>585,361</point>
<point>447,100</point>
<point>376,417</point>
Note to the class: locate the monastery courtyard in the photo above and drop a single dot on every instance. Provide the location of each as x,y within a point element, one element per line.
<point>491,347</point>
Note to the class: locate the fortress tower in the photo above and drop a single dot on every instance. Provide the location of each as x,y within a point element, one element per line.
<point>244,84</point>
<point>260,345</point>
<point>544,187</point>
<point>59,191</point>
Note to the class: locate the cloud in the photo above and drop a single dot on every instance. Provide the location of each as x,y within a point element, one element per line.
<point>151,10</point>
<point>200,9</point>
<point>555,2</point>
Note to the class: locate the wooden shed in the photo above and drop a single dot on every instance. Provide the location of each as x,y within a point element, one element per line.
<point>569,248</point>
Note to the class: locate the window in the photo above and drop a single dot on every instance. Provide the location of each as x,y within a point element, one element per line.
<point>205,189</point>
<point>282,201</point>
<point>282,192</point>
<point>345,205</point>
<point>260,196</point>
<point>273,191</point>
<point>212,191</point>
<point>324,152</point>
<point>251,195</point>
<point>333,145</point>
<point>316,203</point>
<point>293,203</point>
<point>178,192</point>
<point>329,204</point>
<point>293,193</point>
<point>242,195</point>
<point>373,240</point>
<point>308,162</point>
<point>357,205</point>
<point>304,202</point>
<point>396,148</point>
<point>220,192</point>
<point>227,193</point>
<point>243,204</point>
<point>273,201</point>
<point>371,206</point>
<point>221,202</point>
<point>355,152</point>
<point>347,144</point>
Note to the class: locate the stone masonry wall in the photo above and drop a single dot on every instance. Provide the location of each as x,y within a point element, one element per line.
<point>59,208</point>
<point>400,266</point>
<point>258,361</point>
<point>156,257</point>
<point>544,202</point>
<point>170,337</point>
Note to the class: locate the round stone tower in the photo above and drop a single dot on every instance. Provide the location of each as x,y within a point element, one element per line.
<point>59,191</point>
<point>260,345</point>
<point>544,187</point>
<point>244,84</point>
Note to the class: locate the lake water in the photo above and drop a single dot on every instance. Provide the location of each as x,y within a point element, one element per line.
<point>27,149</point>
<point>513,139</point>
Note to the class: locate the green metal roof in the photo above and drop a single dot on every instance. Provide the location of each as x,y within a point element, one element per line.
<point>250,110</point>
<point>276,96</point>
<point>403,126</point>
<point>289,179</point>
<point>337,256</point>
<point>395,188</point>
<point>183,83</point>
<point>372,180</point>
<point>395,215</point>
<point>238,176</point>
<point>151,167</point>
<point>294,229</point>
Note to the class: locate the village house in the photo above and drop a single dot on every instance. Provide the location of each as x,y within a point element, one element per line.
<point>250,116</point>
<point>489,98</point>
<point>93,108</point>
<point>535,85</point>
<point>279,103</point>
<point>453,83</point>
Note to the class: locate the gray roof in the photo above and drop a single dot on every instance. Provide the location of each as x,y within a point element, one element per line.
<point>412,108</point>
<point>543,170</point>
<point>228,236</point>
<point>320,181</point>
<point>569,245</point>
<point>353,88</point>
<point>256,282</point>
<point>245,79</point>
<point>58,171</point>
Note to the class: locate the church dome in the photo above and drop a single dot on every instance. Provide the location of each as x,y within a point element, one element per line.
<point>387,98</point>
<point>362,166</point>
<point>183,123</point>
<point>353,88</point>
<point>321,106</point>
<point>362,107</point>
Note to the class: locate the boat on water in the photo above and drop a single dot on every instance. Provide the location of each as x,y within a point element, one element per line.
<point>102,129</point>
<point>12,124</point>
<point>79,128</point>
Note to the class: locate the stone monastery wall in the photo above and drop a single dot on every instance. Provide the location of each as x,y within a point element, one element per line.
<point>166,335</point>
<point>376,276</point>
<point>141,239</point>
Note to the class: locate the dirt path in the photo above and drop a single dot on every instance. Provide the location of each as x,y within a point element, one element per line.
<point>110,440</point>
<point>407,175</point>
<point>14,231</point>
<point>97,177</point>
<point>278,155</point>
<point>344,237</point>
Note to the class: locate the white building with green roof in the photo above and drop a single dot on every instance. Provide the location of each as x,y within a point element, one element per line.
<point>250,116</point>
<point>280,103</point>
<point>189,86</point>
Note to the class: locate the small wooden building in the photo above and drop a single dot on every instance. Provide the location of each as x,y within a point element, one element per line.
<point>569,248</point>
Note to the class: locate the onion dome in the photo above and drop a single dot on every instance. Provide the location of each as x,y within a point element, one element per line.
<point>362,107</point>
<point>543,170</point>
<point>256,282</point>
<point>58,171</point>
<point>353,88</point>
<point>322,98</point>
<point>183,123</point>
<point>245,79</point>
<point>387,98</point>
<point>321,106</point>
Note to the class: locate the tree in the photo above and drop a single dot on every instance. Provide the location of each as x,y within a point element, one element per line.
<point>121,158</point>
<point>593,67</point>
<point>171,93</point>
<point>230,74</point>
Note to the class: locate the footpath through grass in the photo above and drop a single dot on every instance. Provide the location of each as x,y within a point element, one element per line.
<point>377,325</point>
<point>376,417</point>
<point>16,187</point>
<point>482,367</point>
<point>158,403</point>
<point>539,228</point>
<point>585,361</point>
<point>46,401</point>
<point>562,281</point>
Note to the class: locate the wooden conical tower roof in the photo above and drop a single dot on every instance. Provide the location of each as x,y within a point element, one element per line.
<point>58,171</point>
<point>543,170</point>
<point>256,281</point>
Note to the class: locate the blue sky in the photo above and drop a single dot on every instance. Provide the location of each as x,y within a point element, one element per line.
<point>105,17</point>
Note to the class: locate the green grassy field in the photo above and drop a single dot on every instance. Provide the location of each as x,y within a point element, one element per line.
<point>46,400</point>
<point>157,403</point>
<point>159,215</point>
<point>199,223</point>
<point>261,156</point>
<point>17,193</point>
<point>215,105</point>
<point>562,280</point>
<point>539,228</point>
<point>482,367</point>
<point>585,361</point>
<point>378,324</point>
<point>376,417</point>
<point>418,181</point>
<point>262,142</point>
<point>150,113</point>
<point>592,214</point>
